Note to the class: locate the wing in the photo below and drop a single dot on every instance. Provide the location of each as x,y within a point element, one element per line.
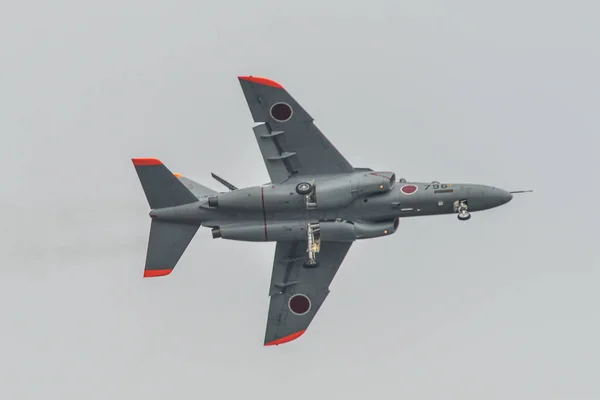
<point>288,139</point>
<point>292,284</point>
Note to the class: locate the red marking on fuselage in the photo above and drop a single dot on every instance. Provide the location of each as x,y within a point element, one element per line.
<point>409,189</point>
<point>378,174</point>
<point>262,199</point>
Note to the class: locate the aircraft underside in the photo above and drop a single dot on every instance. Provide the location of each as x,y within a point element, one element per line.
<point>317,205</point>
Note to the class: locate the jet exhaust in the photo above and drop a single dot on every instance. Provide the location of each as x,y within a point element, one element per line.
<point>216,232</point>
<point>213,201</point>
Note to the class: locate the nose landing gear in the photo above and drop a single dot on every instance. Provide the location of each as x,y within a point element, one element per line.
<point>309,191</point>
<point>462,208</point>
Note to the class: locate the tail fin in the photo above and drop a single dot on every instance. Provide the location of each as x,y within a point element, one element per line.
<point>168,240</point>
<point>166,245</point>
<point>162,188</point>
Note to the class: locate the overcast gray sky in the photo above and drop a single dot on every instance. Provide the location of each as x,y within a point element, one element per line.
<point>501,93</point>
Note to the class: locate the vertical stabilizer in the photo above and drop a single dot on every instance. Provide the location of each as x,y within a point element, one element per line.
<point>167,243</point>
<point>161,187</point>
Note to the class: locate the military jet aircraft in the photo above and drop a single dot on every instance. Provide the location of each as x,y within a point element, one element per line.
<point>315,206</point>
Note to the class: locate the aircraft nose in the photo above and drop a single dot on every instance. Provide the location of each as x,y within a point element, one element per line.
<point>503,196</point>
<point>506,197</point>
<point>485,197</point>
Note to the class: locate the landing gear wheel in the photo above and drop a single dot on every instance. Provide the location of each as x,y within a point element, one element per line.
<point>464,216</point>
<point>304,188</point>
<point>462,208</point>
<point>311,264</point>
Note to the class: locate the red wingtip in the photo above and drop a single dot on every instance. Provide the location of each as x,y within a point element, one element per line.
<point>286,339</point>
<point>261,81</point>
<point>146,161</point>
<point>151,273</point>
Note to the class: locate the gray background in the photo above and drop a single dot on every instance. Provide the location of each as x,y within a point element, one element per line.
<point>502,93</point>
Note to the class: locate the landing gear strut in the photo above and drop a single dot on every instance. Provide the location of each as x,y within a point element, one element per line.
<point>314,244</point>
<point>462,208</point>
<point>308,190</point>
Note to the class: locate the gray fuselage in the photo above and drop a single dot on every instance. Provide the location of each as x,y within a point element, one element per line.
<point>369,203</point>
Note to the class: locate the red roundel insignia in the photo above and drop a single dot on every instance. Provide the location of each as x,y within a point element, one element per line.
<point>281,112</point>
<point>299,304</point>
<point>409,189</point>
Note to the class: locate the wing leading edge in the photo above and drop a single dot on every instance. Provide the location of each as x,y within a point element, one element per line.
<point>289,141</point>
<point>297,293</point>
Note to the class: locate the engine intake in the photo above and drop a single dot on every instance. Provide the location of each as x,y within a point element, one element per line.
<point>341,191</point>
<point>249,199</point>
<point>375,182</point>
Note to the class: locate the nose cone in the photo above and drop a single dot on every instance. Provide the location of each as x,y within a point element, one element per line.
<point>507,197</point>
<point>501,197</point>
<point>481,197</point>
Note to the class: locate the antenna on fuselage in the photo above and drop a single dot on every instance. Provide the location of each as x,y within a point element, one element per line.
<point>223,182</point>
<point>521,191</point>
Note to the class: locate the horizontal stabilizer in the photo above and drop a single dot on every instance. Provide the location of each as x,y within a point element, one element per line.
<point>166,245</point>
<point>161,187</point>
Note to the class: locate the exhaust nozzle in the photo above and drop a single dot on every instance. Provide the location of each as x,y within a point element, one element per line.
<point>213,201</point>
